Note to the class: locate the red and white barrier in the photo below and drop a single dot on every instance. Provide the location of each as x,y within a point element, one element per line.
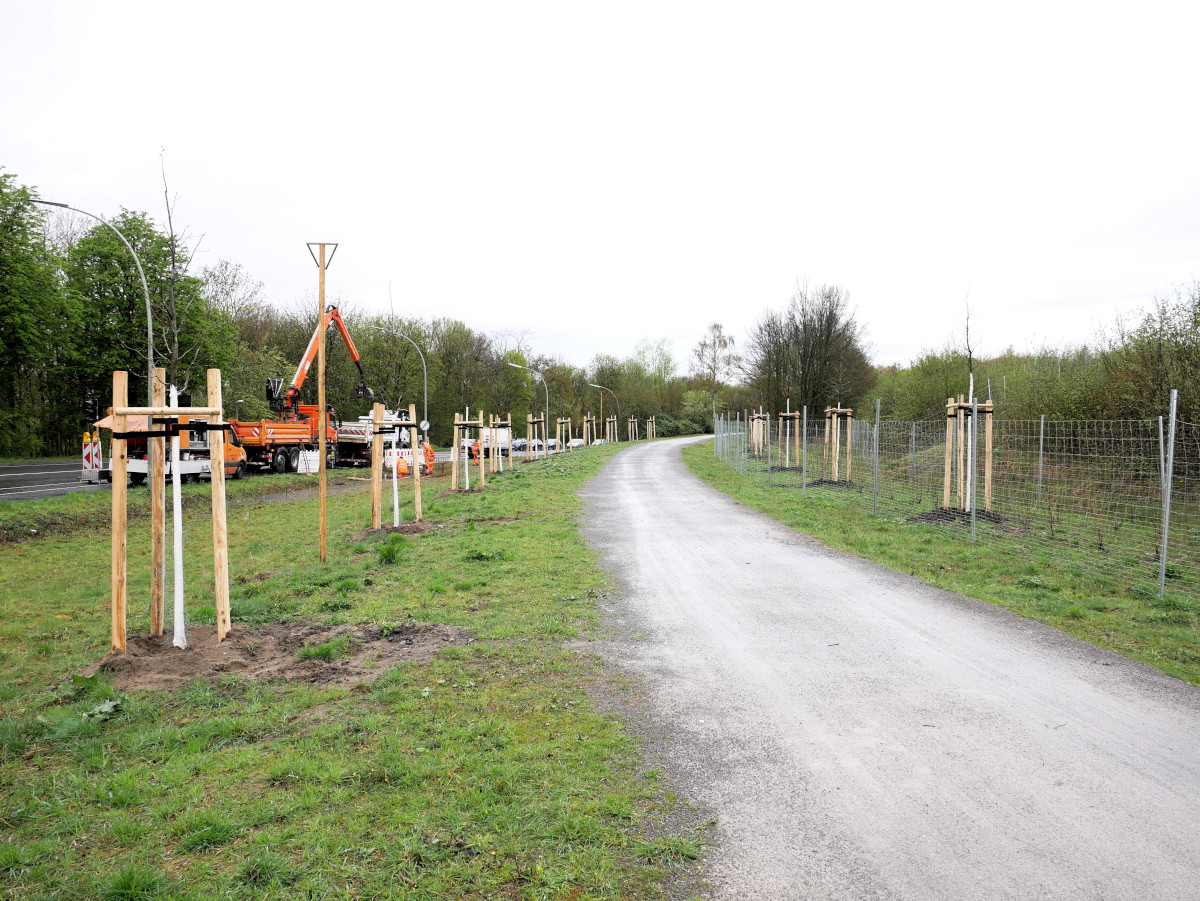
<point>93,458</point>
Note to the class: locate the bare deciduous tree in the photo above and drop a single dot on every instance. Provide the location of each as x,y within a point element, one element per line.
<point>714,360</point>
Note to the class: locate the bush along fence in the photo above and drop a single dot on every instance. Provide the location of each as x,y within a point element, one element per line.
<point>1119,500</point>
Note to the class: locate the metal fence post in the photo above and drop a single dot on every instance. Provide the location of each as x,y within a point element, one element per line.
<point>1041,447</point>
<point>1162,459</point>
<point>1166,521</point>
<point>912,456</point>
<point>804,455</point>
<point>767,439</point>
<point>875,501</point>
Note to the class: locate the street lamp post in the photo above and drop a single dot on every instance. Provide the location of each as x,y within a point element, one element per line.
<point>424,369</point>
<point>615,401</point>
<point>145,290</point>
<point>546,421</point>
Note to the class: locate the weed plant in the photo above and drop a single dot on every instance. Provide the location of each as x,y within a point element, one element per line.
<point>482,773</point>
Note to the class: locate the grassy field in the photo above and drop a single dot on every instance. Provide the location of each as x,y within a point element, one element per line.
<point>486,772</point>
<point>1031,581</point>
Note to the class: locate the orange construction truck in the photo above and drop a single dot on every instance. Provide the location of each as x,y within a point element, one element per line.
<point>277,443</point>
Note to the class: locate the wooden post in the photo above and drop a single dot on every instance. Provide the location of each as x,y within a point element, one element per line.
<point>323,415</point>
<point>412,442</point>
<point>454,451</point>
<point>158,512</point>
<point>216,457</point>
<point>483,479</point>
<point>377,466</point>
<point>825,449</point>
<point>796,437</point>
<point>120,476</point>
<point>495,457</point>
<point>528,435</point>
<point>948,473</point>
<point>987,459</point>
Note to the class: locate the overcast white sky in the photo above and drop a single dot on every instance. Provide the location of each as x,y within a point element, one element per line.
<point>609,172</point>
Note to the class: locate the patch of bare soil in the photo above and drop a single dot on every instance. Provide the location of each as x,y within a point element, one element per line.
<point>405,528</point>
<point>450,492</point>
<point>943,515</point>
<point>271,652</point>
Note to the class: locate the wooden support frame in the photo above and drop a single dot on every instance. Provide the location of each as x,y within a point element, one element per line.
<point>787,435</point>
<point>834,417</point>
<point>461,424</point>
<point>532,424</point>
<point>499,422</point>
<point>958,416</point>
<point>120,496</point>
<point>651,429</point>
<point>759,423</point>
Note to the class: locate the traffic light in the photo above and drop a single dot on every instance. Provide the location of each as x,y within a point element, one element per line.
<point>91,409</point>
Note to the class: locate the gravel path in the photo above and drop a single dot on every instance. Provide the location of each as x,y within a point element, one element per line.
<point>858,734</point>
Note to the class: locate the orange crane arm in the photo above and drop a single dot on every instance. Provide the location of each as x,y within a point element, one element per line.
<point>331,316</point>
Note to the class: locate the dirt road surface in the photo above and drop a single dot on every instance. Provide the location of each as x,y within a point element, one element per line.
<point>860,735</point>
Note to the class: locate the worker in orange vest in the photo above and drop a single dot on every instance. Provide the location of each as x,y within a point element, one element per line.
<point>475,451</point>
<point>401,467</point>
<point>427,448</point>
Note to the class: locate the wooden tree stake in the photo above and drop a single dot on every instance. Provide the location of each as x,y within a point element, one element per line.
<point>412,442</point>
<point>120,475</point>
<point>216,457</point>
<point>377,466</point>
<point>948,472</point>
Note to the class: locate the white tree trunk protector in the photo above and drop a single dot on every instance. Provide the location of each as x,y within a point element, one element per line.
<point>179,628</point>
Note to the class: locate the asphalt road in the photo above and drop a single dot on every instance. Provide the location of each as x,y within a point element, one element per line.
<point>860,735</point>
<point>38,479</point>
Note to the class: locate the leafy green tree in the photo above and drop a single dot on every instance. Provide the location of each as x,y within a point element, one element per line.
<point>190,334</point>
<point>39,338</point>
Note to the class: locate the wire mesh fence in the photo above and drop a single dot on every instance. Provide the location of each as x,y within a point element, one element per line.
<point>1117,500</point>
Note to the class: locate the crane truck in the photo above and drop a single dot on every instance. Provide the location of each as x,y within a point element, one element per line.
<point>276,443</point>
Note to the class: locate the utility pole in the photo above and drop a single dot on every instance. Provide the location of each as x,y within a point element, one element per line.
<point>322,415</point>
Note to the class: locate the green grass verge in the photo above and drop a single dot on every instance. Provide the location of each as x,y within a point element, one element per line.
<point>1029,580</point>
<point>486,772</point>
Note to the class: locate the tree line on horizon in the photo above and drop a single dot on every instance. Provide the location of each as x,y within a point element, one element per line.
<point>72,310</point>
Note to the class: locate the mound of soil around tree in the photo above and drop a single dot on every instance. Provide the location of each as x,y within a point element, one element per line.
<point>405,528</point>
<point>944,515</point>
<point>357,653</point>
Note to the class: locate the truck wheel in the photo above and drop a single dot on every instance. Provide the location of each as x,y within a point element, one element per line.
<point>294,459</point>
<point>279,461</point>
<point>240,472</point>
<point>137,478</point>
